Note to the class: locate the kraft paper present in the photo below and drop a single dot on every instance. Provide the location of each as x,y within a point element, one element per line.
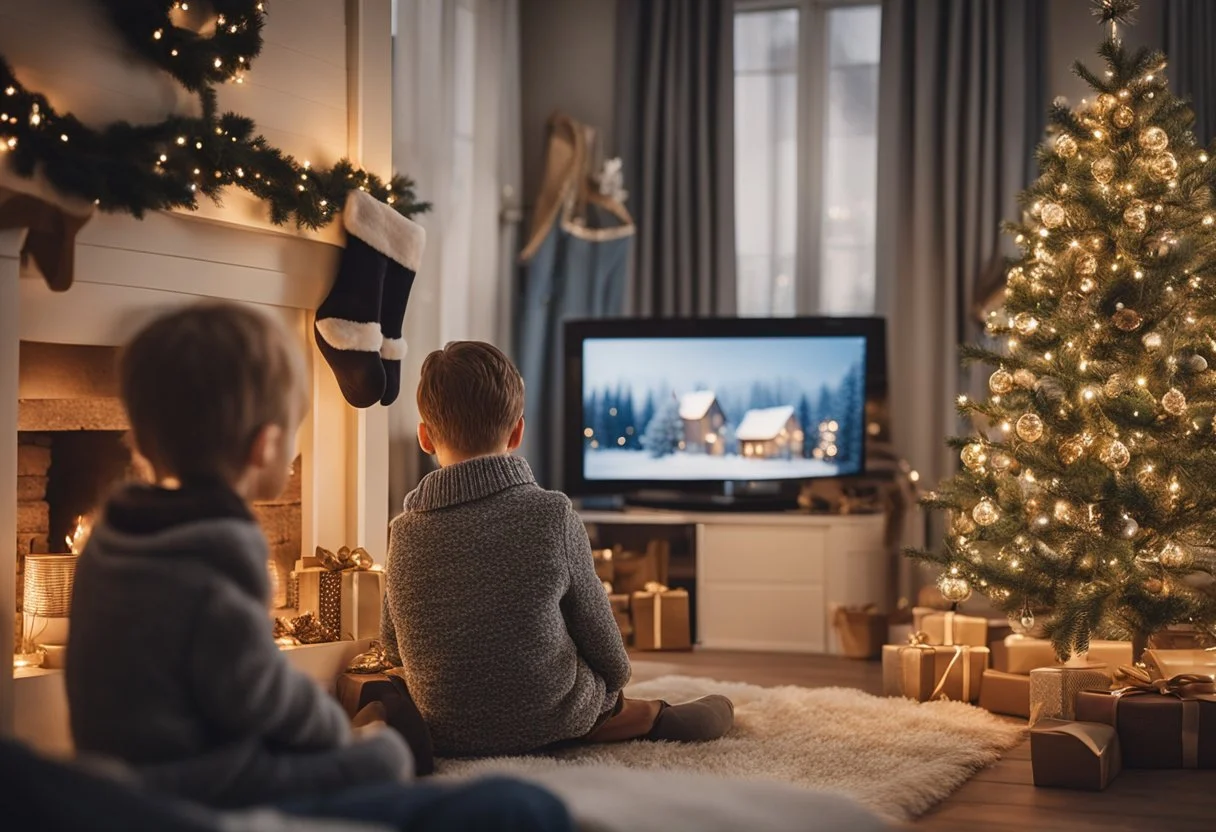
<point>862,631</point>
<point>1168,723</point>
<point>1023,654</point>
<point>1180,637</point>
<point>620,612</point>
<point>1005,693</point>
<point>1074,755</point>
<point>925,671</point>
<point>1168,663</point>
<point>661,619</point>
<point>952,628</point>
<point>1053,690</point>
<point>347,602</point>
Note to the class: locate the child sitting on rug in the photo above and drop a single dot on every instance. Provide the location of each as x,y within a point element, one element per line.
<point>171,665</point>
<point>504,632</point>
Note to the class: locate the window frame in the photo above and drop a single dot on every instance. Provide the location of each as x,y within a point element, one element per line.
<point>812,86</point>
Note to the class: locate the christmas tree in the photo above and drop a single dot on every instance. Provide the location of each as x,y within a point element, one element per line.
<point>1087,495</point>
<point>665,430</point>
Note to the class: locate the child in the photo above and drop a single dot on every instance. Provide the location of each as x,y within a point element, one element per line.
<point>172,667</point>
<point>505,633</point>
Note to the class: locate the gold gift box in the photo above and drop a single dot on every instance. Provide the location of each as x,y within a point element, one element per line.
<point>926,671</point>
<point>1169,663</point>
<point>950,627</point>
<point>1053,690</point>
<point>661,619</point>
<point>1005,693</point>
<point>347,602</point>
<point>1023,654</point>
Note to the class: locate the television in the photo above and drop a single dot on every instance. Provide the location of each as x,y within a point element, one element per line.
<point>719,410</point>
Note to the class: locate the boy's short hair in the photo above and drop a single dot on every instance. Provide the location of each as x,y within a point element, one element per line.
<point>201,382</point>
<point>470,396</point>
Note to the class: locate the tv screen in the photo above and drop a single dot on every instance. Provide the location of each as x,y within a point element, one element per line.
<point>716,401</point>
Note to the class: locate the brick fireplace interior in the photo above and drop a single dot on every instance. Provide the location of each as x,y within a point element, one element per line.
<point>73,447</point>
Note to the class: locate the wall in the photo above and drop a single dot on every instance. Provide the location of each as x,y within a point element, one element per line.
<point>568,62</point>
<point>1074,34</point>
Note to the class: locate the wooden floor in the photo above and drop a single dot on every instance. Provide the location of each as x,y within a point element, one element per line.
<point>1002,798</point>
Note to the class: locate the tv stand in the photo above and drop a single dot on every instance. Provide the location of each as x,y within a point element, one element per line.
<point>712,502</point>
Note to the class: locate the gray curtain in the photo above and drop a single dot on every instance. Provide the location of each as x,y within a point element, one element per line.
<point>1190,45</point>
<point>675,133</point>
<point>961,109</point>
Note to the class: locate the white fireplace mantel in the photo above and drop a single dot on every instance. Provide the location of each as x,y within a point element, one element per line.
<point>129,270</point>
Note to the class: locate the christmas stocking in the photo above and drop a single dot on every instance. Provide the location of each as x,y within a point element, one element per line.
<point>404,258</point>
<point>347,328</point>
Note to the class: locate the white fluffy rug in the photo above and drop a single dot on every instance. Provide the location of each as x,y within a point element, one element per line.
<point>896,756</point>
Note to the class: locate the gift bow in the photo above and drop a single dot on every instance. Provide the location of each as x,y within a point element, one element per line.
<point>357,559</point>
<point>1190,688</point>
<point>920,641</point>
<point>373,660</point>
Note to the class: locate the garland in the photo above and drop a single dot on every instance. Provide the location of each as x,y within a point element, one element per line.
<point>141,168</point>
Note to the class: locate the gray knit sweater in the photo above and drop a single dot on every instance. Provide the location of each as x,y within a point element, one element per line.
<point>504,631</point>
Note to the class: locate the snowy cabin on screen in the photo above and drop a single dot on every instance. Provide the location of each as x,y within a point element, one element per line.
<point>703,420</point>
<point>770,433</point>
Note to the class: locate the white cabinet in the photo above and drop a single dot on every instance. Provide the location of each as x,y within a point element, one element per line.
<point>773,581</point>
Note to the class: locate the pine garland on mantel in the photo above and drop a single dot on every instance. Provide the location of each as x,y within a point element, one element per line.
<point>140,168</point>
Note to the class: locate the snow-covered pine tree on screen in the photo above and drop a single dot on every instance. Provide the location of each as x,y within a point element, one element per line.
<point>1089,499</point>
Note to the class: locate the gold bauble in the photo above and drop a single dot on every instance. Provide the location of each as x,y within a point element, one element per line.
<point>1023,378</point>
<point>1063,512</point>
<point>1152,340</point>
<point>1000,461</point>
<point>1103,170</point>
<point>1052,215</point>
<point>1000,382</point>
<point>1104,103</point>
<point>1136,217</point>
<point>1087,265</point>
<point>1071,450</point>
<point>1163,167</point>
<point>1128,320</point>
<point>1066,146</point>
<point>1174,402</point>
<point>953,588</point>
<point>1030,427</point>
<point>1129,528</point>
<point>1123,116</point>
<point>1154,139</point>
<point>985,512</point>
<point>973,456</point>
<point>1025,323</point>
<point>962,524</point>
<point>1115,455</point>
<point>1174,556</point>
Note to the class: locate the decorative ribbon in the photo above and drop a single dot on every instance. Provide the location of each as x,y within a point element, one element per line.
<point>919,641</point>
<point>657,589</point>
<point>357,559</point>
<point>373,660</point>
<point>1190,688</point>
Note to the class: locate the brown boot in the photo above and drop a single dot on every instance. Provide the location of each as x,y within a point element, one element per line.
<point>707,718</point>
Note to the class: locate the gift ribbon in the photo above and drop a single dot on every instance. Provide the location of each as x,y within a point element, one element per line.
<point>919,641</point>
<point>657,589</point>
<point>1190,688</point>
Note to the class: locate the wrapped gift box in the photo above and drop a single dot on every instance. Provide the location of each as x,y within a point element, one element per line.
<point>1053,690</point>
<point>1176,729</point>
<point>347,602</point>
<point>1169,663</point>
<point>1074,755</point>
<point>924,671</point>
<point>1180,637</point>
<point>862,631</point>
<point>951,628</point>
<point>620,611</point>
<point>1005,693</point>
<point>603,565</point>
<point>661,619</point>
<point>1023,654</point>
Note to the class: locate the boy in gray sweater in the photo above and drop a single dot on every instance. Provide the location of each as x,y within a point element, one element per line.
<point>492,606</point>
<point>172,667</point>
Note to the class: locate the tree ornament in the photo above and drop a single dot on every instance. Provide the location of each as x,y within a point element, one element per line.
<point>1152,340</point>
<point>1026,620</point>
<point>985,512</point>
<point>973,456</point>
<point>1025,323</point>
<point>1087,285</point>
<point>1029,427</point>
<point>1103,170</point>
<point>1174,556</point>
<point>1087,265</point>
<point>1123,117</point>
<point>1104,103</point>
<point>1115,455</point>
<point>954,588</point>
<point>962,524</point>
<point>1023,378</point>
<point>1174,402</point>
<point>1052,215</point>
<point>1071,450</point>
<point>1000,461</point>
<point>1136,217</point>
<point>1195,363</point>
<point>1154,139</point>
<point>1128,320</point>
<point>1163,167</point>
<point>1000,382</point>
<point>1066,146</point>
<point>1129,528</point>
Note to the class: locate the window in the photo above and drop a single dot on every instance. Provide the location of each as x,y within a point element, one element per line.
<point>806,118</point>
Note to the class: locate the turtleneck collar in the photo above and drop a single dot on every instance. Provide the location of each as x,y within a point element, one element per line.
<point>467,481</point>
